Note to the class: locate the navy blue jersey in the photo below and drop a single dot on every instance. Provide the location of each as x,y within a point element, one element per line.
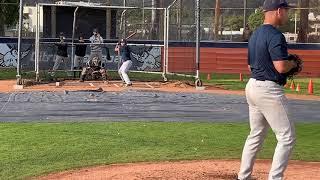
<point>267,44</point>
<point>125,53</point>
<point>81,49</point>
<point>62,49</point>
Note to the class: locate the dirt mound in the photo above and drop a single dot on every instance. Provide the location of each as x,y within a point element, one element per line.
<point>177,84</point>
<point>191,170</point>
<point>115,86</point>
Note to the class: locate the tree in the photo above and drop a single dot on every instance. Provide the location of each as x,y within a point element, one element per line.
<point>234,22</point>
<point>290,26</point>
<point>256,19</point>
<point>155,19</point>
<point>254,3</point>
<point>9,10</point>
<point>304,21</point>
<point>217,19</point>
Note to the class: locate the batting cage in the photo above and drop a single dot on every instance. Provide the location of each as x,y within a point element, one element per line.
<point>60,25</point>
<point>163,41</point>
<point>192,22</point>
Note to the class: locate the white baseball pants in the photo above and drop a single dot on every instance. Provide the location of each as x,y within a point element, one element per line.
<point>123,71</point>
<point>268,107</point>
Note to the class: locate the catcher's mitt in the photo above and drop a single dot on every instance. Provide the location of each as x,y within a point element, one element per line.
<point>295,71</point>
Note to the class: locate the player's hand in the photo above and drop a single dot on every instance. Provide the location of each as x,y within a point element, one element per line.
<point>297,65</point>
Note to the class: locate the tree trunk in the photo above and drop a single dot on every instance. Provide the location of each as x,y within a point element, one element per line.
<point>155,18</point>
<point>245,5</point>
<point>304,21</point>
<point>108,19</point>
<point>217,20</point>
<point>1,29</point>
<point>1,20</point>
<point>161,20</point>
<point>53,21</point>
<point>124,22</point>
<point>179,10</point>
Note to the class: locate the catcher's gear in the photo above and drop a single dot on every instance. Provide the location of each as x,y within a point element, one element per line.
<point>94,62</point>
<point>94,69</point>
<point>82,77</point>
<point>296,70</point>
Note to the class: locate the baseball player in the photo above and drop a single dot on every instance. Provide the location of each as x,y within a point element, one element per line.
<point>80,53</point>
<point>96,48</point>
<point>124,52</point>
<point>62,52</point>
<point>268,106</point>
<point>246,33</point>
<point>95,69</point>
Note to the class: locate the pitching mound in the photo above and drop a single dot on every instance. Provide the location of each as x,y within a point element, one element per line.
<point>192,170</point>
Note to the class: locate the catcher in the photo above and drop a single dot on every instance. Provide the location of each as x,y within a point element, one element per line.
<point>94,70</point>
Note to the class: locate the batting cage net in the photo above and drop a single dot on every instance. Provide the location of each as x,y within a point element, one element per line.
<point>61,25</point>
<point>222,24</point>
<point>181,30</point>
<point>218,22</point>
<point>163,36</point>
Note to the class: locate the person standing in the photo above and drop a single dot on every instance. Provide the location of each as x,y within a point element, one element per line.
<point>62,52</point>
<point>81,49</point>
<point>268,105</point>
<point>246,33</point>
<point>96,45</point>
<point>124,51</point>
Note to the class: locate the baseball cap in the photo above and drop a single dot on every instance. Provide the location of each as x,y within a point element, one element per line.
<point>270,5</point>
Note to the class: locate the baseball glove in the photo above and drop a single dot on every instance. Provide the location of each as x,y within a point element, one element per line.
<point>295,71</point>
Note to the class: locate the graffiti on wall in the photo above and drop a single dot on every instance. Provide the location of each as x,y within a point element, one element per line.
<point>149,59</point>
<point>144,58</point>
<point>9,55</point>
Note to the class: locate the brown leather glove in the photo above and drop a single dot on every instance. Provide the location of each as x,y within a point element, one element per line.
<point>296,70</point>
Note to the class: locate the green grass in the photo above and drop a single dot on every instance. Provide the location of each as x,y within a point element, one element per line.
<point>134,76</point>
<point>232,82</point>
<point>10,73</point>
<point>226,81</point>
<point>32,149</point>
<point>304,86</point>
<point>7,73</point>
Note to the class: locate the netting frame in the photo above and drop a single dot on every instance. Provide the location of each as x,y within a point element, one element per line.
<point>196,76</point>
<point>94,5</point>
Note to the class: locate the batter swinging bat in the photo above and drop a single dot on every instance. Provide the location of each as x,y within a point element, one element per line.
<point>118,44</point>
<point>128,37</point>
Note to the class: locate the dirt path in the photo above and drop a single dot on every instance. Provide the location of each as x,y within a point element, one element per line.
<point>188,170</point>
<point>7,86</point>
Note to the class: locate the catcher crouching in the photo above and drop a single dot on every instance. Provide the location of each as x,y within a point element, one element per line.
<point>93,70</point>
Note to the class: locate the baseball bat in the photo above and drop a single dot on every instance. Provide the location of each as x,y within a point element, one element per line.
<point>131,35</point>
